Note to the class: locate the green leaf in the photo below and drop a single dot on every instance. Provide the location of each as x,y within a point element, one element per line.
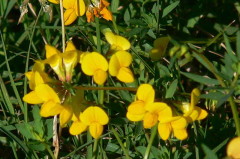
<point>126,16</point>
<point>169,8</point>
<point>172,88</point>
<point>213,95</point>
<point>114,6</point>
<point>201,79</point>
<point>142,150</point>
<point>25,130</point>
<point>209,154</point>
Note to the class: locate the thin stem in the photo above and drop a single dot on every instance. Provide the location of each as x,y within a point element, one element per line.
<point>235,114</point>
<point>125,151</point>
<point>26,66</point>
<point>50,152</point>
<point>106,88</point>
<point>98,35</point>
<point>89,148</point>
<point>95,148</point>
<point>63,27</point>
<point>153,134</point>
<point>115,25</point>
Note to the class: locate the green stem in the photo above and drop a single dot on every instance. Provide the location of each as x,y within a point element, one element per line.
<point>115,25</point>
<point>50,152</point>
<point>125,151</point>
<point>98,35</point>
<point>89,148</point>
<point>106,88</point>
<point>153,134</point>
<point>63,28</point>
<point>235,114</point>
<point>95,148</point>
<point>26,66</point>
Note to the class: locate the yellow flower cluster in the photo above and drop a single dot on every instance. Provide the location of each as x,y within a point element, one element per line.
<point>56,99</point>
<point>95,64</point>
<point>75,8</point>
<point>144,108</point>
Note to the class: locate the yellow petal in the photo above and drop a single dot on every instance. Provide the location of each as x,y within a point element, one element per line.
<point>146,93</point>
<point>54,1</point>
<point>125,75</point>
<point>180,134</point>
<point>96,130</point>
<point>39,65</point>
<point>77,127</point>
<point>100,76</point>
<point>156,107</point>
<point>65,115</point>
<point>118,60</point>
<point>70,46</point>
<point>47,93</point>
<point>136,111</point>
<point>195,97</point>
<point>164,130</point>
<point>179,123</point>
<point>69,16</point>
<point>94,114</point>
<point>79,7</point>
<point>69,4</point>
<point>202,114</point>
<point>233,148</point>
<point>50,108</point>
<point>50,51</point>
<point>38,78</point>
<point>30,77</point>
<point>92,62</point>
<point>150,119</point>
<point>32,98</point>
<point>193,116</point>
<point>119,42</point>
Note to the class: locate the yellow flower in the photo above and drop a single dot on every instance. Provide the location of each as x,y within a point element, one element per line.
<point>38,68</point>
<point>118,43</point>
<point>62,63</point>
<point>191,111</point>
<point>118,66</point>
<point>98,9</point>
<point>145,96</point>
<point>74,8</point>
<point>95,118</point>
<point>94,64</point>
<point>51,106</point>
<point>233,148</point>
<point>159,48</point>
<point>177,125</point>
<point>54,59</point>
<point>153,111</point>
<point>70,59</point>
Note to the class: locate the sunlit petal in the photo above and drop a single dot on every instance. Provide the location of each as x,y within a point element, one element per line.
<point>50,108</point>
<point>65,115</point>
<point>47,93</point>
<point>149,120</point>
<point>100,76</point>
<point>77,127</point>
<point>233,148</point>
<point>50,51</point>
<point>96,130</point>
<point>69,16</point>
<point>164,130</point>
<point>32,98</point>
<point>180,134</point>
<point>79,7</point>
<point>146,93</point>
<point>125,75</point>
